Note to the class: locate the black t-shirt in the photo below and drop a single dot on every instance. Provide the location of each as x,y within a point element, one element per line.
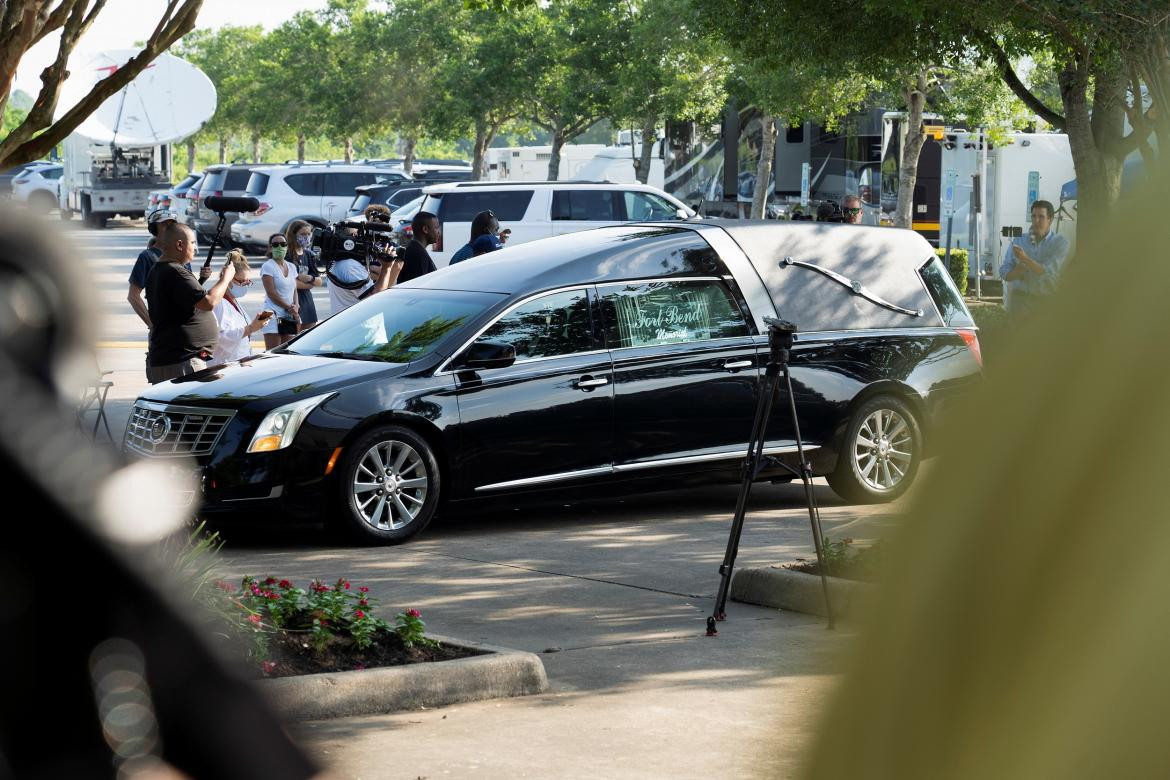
<point>418,262</point>
<point>180,331</point>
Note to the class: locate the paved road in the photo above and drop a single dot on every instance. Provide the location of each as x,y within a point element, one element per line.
<point>616,590</point>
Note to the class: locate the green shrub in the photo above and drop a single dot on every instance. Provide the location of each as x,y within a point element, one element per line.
<point>958,267</point>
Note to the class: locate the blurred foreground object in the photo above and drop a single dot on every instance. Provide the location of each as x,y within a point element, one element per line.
<point>95,660</point>
<point>1022,629</point>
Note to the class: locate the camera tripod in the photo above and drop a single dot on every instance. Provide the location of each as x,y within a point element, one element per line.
<point>780,338</point>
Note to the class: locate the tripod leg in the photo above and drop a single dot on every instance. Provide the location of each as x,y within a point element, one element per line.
<point>751,468</point>
<point>814,512</point>
<point>214,240</point>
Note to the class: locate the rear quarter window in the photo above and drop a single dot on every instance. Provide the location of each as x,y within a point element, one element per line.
<point>237,179</point>
<point>257,184</point>
<point>945,295</point>
<point>211,182</point>
<point>507,205</point>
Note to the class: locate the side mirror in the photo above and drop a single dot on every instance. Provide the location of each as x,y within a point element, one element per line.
<point>489,354</point>
<point>681,214</point>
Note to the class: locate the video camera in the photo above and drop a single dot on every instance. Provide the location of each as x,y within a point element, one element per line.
<point>367,242</point>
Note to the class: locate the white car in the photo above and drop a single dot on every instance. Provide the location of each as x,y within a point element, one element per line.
<point>318,194</point>
<point>175,198</point>
<point>38,186</point>
<point>534,210</point>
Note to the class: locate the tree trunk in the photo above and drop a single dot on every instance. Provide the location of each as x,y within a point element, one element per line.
<point>764,169</point>
<point>1090,136</point>
<point>911,149</point>
<point>191,155</point>
<point>255,148</point>
<point>408,155</point>
<point>485,133</point>
<point>642,166</point>
<point>349,150</point>
<point>301,147</point>
<point>223,149</point>
<point>554,160</point>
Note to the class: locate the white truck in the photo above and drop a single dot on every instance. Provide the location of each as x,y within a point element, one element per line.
<point>122,151</point>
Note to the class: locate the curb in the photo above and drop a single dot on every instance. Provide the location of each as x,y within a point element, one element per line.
<point>773,586</point>
<point>502,672</point>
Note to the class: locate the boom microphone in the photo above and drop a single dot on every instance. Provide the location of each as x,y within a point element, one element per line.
<point>219,204</point>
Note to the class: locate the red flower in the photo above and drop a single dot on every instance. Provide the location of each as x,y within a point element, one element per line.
<point>254,619</point>
<point>364,589</point>
<point>364,603</point>
<point>271,595</point>
<point>285,584</point>
<point>270,581</point>
<point>317,587</point>
<point>414,613</point>
<point>359,614</point>
<point>268,666</point>
<point>347,585</point>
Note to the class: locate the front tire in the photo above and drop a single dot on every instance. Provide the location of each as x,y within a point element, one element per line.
<point>388,486</point>
<point>880,453</point>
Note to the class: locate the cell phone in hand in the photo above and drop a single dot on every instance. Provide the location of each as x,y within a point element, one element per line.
<point>266,314</point>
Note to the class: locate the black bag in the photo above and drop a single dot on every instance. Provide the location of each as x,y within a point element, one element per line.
<point>286,326</point>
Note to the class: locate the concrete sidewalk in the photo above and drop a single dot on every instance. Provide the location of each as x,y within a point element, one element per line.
<point>620,593</point>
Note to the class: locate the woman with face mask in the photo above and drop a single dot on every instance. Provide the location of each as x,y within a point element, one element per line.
<point>300,253</point>
<point>280,287</point>
<point>235,328</point>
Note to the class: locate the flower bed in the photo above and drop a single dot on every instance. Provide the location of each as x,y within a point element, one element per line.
<point>844,560</point>
<point>284,630</point>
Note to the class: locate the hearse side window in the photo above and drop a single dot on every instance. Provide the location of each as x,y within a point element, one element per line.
<point>551,325</point>
<point>462,206</point>
<point>946,296</point>
<point>586,205</point>
<point>650,313</point>
<point>343,182</point>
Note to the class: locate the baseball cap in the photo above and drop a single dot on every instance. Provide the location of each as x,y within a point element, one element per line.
<point>162,215</point>
<point>486,243</point>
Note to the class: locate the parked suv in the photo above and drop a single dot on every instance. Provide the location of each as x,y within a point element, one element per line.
<point>393,195</point>
<point>533,210</point>
<point>318,194</point>
<point>220,180</point>
<point>38,186</point>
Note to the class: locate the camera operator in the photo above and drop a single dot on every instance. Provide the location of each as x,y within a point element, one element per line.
<point>349,277</point>
<point>829,211</point>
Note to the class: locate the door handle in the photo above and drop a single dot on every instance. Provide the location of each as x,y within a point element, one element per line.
<point>588,383</point>
<point>736,365</point>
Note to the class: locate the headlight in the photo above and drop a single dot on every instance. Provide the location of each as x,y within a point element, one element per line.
<point>278,429</point>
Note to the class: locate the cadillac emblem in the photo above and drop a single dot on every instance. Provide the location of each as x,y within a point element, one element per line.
<point>159,429</point>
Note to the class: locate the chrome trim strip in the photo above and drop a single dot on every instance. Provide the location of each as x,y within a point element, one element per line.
<point>857,287</point>
<point>831,335</point>
<point>276,492</point>
<point>738,453</point>
<point>156,406</point>
<point>622,468</point>
<point>547,478</point>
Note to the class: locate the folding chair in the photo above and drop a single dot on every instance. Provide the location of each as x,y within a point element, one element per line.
<point>93,398</point>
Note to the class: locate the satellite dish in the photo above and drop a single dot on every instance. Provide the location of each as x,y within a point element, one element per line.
<point>167,102</point>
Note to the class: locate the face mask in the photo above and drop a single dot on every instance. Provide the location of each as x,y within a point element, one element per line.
<point>278,252</point>
<point>239,291</point>
<point>304,241</point>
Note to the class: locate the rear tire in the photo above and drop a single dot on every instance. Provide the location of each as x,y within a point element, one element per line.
<point>880,453</point>
<point>388,486</point>
<point>42,202</point>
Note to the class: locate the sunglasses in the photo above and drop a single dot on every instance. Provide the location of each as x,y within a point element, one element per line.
<point>279,243</point>
<point>852,211</point>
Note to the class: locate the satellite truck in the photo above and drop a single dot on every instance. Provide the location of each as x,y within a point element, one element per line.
<point>122,151</point>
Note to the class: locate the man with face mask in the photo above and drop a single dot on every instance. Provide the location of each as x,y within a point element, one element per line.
<point>235,329</point>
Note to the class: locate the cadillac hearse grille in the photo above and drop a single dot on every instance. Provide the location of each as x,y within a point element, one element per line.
<point>163,431</point>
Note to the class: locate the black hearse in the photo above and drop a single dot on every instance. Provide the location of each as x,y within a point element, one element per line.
<point>619,359</point>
